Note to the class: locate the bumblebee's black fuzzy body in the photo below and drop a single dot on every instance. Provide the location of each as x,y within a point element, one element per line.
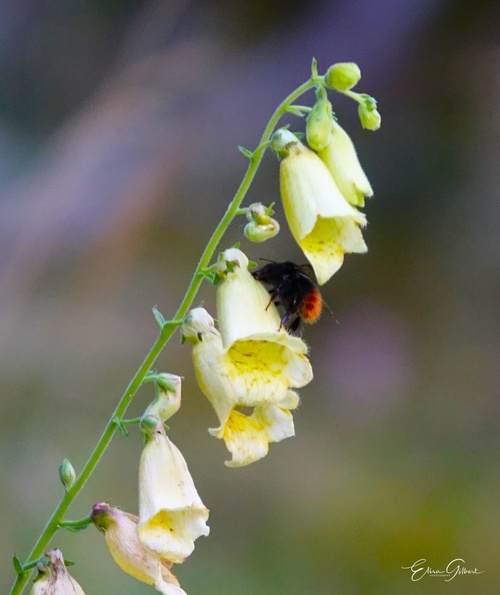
<point>293,290</point>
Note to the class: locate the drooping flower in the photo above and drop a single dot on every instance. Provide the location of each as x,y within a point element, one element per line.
<point>252,362</point>
<point>322,222</point>
<point>120,533</point>
<point>54,578</point>
<point>171,513</point>
<point>342,161</point>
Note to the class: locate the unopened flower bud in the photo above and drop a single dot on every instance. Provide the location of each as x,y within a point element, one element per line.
<point>342,76</point>
<point>53,578</point>
<point>168,397</point>
<point>368,114</point>
<point>261,226</point>
<point>67,473</point>
<point>197,323</point>
<point>319,122</point>
<point>282,140</point>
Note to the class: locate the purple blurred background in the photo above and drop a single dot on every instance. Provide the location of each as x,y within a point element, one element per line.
<point>119,123</point>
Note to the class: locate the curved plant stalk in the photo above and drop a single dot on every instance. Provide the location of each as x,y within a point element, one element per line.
<point>168,328</point>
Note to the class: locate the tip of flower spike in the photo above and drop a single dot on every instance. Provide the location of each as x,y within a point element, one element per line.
<point>342,76</point>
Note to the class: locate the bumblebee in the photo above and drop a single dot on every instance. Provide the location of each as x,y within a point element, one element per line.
<point>294,290</point>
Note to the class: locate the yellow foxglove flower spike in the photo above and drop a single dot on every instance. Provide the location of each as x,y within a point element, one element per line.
<point>54,578</point>
<point>342,161</point>
<point>120,533</point>
<point>322,222</point>
<point>171,513</point>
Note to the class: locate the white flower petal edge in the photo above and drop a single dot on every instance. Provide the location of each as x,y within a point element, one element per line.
<point>247,437</point>
<point>342,161</point>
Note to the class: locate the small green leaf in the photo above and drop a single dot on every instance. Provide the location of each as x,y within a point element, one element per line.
<point>246,152</point>
<point>75,526</point>
<point>298,110</point>
<point>18,567</point>
<point>158,317</point>
<point>75,530</point>
<point>314,68</point>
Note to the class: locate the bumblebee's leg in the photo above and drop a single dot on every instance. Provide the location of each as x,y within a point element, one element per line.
<point>274,294</point>
<point>295,324</point>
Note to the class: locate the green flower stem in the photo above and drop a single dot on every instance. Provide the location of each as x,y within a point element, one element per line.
<point>76,525</point>
<point>353,95</point>
<point>168,329</point>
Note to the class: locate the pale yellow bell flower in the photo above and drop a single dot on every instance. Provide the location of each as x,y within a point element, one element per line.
<point>120,533</point>
<point>341,159</point>
<point>54,578</point>
<point>322,222</point>
<point>247,437</point>
<point>252,362</point>
<point>171,513</point>
<point>267,360</point>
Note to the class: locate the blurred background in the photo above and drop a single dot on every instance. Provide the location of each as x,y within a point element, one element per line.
<point>119,122</point>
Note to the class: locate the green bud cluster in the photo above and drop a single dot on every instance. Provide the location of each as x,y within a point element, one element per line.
<point>342,76</point>
<point>368,113</point>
